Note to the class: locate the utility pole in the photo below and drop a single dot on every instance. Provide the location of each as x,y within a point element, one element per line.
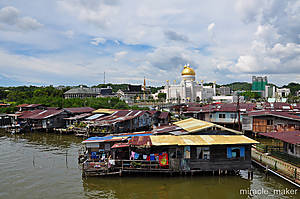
<point>238,111</point>
<point>104,78</point>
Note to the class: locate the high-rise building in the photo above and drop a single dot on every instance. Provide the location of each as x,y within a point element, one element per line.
<point>259,83</point>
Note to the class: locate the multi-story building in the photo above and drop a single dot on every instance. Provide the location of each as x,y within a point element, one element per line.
<point>83,92</point>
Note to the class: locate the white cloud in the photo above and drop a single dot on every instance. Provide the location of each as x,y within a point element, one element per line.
<point>10,16</point>
<point>211,26</point>
<point>98,40</point>
<point>119,55</point>
<point>69,33</point>
<point>151,39</point>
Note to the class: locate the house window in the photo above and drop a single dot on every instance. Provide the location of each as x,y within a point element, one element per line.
<point>233,116</point>
<point>203,153</point>
<point>222,115</point>
<point>270,122</point>
<point>291,148</point>
<point>235,152</point>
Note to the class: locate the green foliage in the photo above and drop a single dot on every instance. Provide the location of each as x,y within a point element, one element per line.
<point>235,86</point>
<point>294,87</point>
<point>52,97</point>
<point>121,105</point>
<point>115,87</point>
<point>155,89</point>
<point>162,96</point>
<point>251,95</point>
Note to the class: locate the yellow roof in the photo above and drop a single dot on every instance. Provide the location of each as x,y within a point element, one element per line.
<point>104,110</point>
<point>188,71</point>
<point>193,125</point>
<point>202,140</point>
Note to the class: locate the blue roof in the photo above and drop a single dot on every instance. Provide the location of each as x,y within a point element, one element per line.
<point>114,136</point>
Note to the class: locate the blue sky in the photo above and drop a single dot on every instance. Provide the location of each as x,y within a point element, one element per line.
<point>72,42</point>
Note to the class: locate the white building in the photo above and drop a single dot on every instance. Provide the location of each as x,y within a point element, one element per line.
<point>269,92</point>
<point>283,92</point>
<point>189,90</point>
<point>228,99</point>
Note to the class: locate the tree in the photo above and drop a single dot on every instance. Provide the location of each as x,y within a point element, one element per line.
<point>121,105</point>
<point>162,96</point>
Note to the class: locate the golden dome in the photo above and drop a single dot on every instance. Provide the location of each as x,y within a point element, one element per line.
<point>187,71</point>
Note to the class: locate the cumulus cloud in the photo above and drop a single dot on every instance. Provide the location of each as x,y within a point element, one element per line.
<point>98,40</point>
<point>275,48</point>
<point>174,36</point>
<point>11,20</point>
<point>119,55</point>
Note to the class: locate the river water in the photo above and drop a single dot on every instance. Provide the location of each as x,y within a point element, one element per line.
<point>40,165</point>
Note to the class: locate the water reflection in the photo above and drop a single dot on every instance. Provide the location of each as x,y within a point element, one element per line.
<point>166,187</point>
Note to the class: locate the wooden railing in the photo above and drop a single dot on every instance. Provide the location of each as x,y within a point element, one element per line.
<point>124,165</point>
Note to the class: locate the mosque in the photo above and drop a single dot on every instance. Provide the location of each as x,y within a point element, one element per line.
<point>189,90</point>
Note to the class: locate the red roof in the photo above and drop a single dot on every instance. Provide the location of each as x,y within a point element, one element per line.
<point>28,105</point>
<point>229,107</point>
<point>80,110</point>
<point>40,114</point>
<point>292,137</point>
<point>164,115</point>
<point>286,115</point>
<point>119,116</point>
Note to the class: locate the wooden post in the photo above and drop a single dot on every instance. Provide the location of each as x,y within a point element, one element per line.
<point>248,175</point>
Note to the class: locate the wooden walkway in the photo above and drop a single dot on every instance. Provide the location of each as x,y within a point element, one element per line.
<point>276,165</point>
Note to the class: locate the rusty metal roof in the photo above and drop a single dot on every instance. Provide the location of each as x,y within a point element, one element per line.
<point>40,114</point>
<point>28,105</point>
<point>292,137</point>
<point>105,110</point>
<point>77,110</point>
<point>201,140</point>
<point>193,125</point>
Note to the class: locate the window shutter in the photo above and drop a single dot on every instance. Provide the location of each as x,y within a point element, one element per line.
<point>229,155</point>
<point>242,151</point>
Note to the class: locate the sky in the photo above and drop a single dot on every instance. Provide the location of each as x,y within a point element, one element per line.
<point>72,42</point>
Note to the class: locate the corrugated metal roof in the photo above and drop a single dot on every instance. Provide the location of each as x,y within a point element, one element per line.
<point>93,117</point>
<point>40,114</point>
<point>193,125</point>
<point>104,110</point>
<point>80,110</point>
<point>292,137</point>
<point>28,105</point>
<point>116,137</point>
<point>164,115</point>
<point>286,115</point>
<point>201,140</point>
<point>77,117</point>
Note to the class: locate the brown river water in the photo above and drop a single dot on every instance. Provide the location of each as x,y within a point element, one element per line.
<point>41,165</point>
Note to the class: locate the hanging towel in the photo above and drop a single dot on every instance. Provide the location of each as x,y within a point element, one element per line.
<point>132,155</point>
<point>152,157</point>
<point>163,159</point>
<point>136,156</point>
